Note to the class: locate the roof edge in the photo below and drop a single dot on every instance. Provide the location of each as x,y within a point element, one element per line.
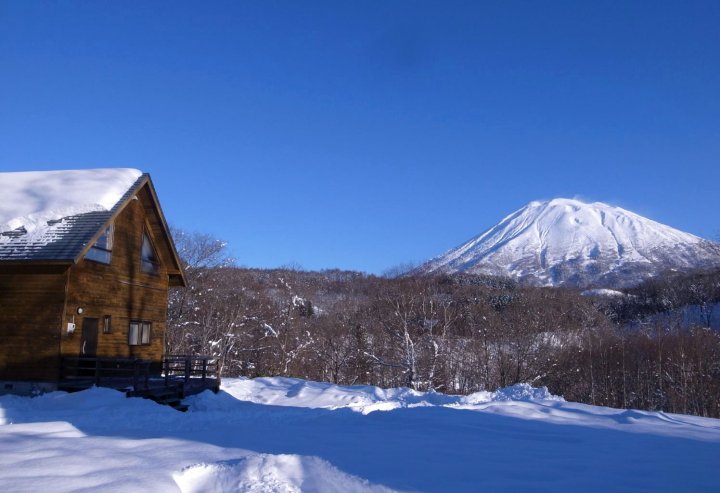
<point>177,277</point>
<point>117,208</point>
<point>180,273</point>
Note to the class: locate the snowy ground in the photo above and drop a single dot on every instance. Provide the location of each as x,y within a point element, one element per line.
<point>289,435</point>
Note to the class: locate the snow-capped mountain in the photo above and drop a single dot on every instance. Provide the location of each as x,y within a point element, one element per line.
<point>569,242</point>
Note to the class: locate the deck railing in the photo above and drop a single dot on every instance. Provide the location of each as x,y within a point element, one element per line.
<point>186,367</point>
<point>109,372</point>
<point>183,370</point>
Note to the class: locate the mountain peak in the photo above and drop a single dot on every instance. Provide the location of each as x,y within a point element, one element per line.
<point>556,202</point>
<point>570,204</point>
<point>569,242</point>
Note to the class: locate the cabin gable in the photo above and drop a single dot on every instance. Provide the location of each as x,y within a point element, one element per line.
<point>113,299</point>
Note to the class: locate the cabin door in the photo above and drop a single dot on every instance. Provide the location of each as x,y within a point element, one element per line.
<point>89,340</point>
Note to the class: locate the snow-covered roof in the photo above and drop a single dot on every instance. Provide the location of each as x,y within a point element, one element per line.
<point>53,214</point>
<point>32,198</point>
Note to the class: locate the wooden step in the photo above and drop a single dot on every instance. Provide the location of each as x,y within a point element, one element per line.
<point>168,396</point>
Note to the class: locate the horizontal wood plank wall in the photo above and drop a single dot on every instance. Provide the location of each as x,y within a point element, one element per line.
<point>31,314</point>
<point>120,290</point>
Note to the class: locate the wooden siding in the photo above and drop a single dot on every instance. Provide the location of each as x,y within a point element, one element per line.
<point>163,241</point>
<point>31,313</point>
<point>120,290</point>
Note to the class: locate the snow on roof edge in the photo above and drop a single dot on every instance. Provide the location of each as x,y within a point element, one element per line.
<point>32,198</point>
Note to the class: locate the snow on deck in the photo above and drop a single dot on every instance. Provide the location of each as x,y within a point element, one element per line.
<point>31,199</point>
<point>291,435</point>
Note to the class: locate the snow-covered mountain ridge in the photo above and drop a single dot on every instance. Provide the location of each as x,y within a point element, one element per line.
<point>569,242</point>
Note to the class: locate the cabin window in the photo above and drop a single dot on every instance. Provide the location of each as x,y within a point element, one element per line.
<point>139,333</point>
<point>101,251</point>
<point>107,324</point>
<point>149,260</point>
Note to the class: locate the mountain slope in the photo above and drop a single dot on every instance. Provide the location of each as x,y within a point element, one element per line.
<point>568,242</point>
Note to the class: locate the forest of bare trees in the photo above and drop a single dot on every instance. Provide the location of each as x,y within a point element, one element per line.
<point>454,334</point>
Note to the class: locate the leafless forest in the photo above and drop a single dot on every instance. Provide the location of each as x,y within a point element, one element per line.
<point>452,334</point>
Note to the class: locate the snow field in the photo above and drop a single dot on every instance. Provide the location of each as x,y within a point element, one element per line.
<point>264,473</point>
<point>291,435</point>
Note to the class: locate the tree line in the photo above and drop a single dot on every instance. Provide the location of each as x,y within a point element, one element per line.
<point>452,333</point>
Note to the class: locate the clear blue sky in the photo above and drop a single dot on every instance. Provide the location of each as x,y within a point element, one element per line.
<point>361,135</point>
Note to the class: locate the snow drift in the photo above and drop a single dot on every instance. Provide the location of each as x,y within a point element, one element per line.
<point>286,435</point>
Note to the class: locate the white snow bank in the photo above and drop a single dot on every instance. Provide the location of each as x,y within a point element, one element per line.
<point>319,437</point>
<point>31,199</point>
<point>99,440</point>
<point>264,473</point>
<point>521,392</point>
<point>282,391</point>
<point>97,401</point>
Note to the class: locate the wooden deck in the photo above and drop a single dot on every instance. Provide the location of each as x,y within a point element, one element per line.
<point>176,378</point>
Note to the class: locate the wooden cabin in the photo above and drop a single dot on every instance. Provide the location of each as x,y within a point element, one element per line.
<point>86,262</point>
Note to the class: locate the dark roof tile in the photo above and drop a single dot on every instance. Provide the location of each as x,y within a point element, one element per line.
<point>63,240</point>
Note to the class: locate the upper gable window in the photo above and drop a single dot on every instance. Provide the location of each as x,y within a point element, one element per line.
<point>149,259</point>
<point>101,251</point>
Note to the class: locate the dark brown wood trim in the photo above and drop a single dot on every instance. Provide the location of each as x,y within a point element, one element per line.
<point>166,230</point>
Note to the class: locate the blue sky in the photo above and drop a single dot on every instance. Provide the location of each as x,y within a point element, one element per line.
<point>362,135</point>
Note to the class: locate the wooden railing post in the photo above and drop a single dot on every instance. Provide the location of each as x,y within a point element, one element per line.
<point>136,374</point>
<point>166,369</point>
<point>97,372</point>
<point>187,369</point>
<point>147,376</point>
<point>204,369</point>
